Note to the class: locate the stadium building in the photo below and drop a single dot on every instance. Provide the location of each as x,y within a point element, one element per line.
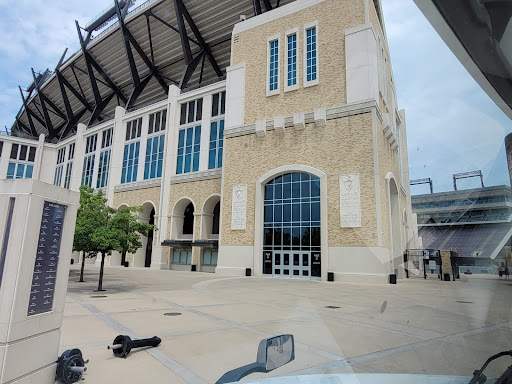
<point>258,136</point>
<point>476,223</point>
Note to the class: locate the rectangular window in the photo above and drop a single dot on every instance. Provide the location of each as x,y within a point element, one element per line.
<point>157,122</point>
<point>188,150</point>
<point>106,140</point>
<point>71,152</point>
<point>216,144</point>
<point>1,147</point>
<point>219,104</point>
<point>23,152</point>
<point>19,171</point>
<point>103,169</point>
<point>61,155</point>
<point>273,67</point>
<point>191,111</point>
<point>130,162</point>
<point>291,62</point>
<point>88,170</point>
<point>133,129</point>
<point>58,176</point>
<point>90,144</point>
<point>182,256</point>
<point>154,157</point>
<point>67,178</point>
<point>311,55</point>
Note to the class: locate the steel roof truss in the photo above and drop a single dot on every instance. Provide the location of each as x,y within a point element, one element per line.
<point>29,115</point>
<point>48,122</point>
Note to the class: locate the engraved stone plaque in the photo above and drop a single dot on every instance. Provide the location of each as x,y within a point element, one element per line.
<point>47,259</point>
<point>239,207</point>
<point>350,201</point>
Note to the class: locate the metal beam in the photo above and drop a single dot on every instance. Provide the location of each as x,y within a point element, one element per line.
<point>257,7</point>
<point>189,70</point>
<point>29,117</point>
<point>178,8</point>
<point>65,82</point>
<point>48,121</point>
<point>99,108</point>
<point>268,6</point>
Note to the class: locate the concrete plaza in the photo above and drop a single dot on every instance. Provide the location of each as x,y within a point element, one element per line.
<point>417,326</point>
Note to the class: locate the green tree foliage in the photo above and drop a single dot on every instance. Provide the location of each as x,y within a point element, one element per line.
<point>94,232</point>
<point>128,230</point>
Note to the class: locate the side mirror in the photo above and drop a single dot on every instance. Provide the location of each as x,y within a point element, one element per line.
<point>272,353</point>
<point>276,352</point>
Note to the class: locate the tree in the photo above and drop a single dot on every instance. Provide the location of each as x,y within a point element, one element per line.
<point>128,230</point>
<point>94,232</point>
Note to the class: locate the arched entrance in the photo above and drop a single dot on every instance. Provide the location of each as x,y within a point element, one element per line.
<point>291,226</point>
<point>149,245</point>
<point>209,236</point>
<point>182,234</point>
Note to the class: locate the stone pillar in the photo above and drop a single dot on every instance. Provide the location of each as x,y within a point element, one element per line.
<point>159,258</point>
<point>4,159</point>
<point>39,157</point>
<point>508,151</point>
<point>446,263</point>
<point>37,222</point>
<point>116,157</point>
<point>78,159</point>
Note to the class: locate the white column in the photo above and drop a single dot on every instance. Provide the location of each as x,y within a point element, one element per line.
<point>116,156</point>
<point>142,148</point>
<point>78,158</point>
<point>168,170</point>
<point>205,133</point>
<point>4,159</point>
<point>235,95</point>
<point>96,167</point>
<point>39,156</point>
<point>361,64</point>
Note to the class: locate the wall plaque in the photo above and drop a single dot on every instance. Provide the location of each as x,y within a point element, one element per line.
<point>350,201</point>
<point>47,259</point>
<point>239,207</point>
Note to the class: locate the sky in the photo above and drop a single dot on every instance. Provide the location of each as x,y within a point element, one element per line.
<point>452,125</point>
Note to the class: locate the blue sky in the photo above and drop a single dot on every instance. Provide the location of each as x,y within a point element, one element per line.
<point>452,125</point>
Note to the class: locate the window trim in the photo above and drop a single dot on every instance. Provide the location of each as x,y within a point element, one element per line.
<point>271,39</point>
<point>311,83</point>
<point>290,32</point>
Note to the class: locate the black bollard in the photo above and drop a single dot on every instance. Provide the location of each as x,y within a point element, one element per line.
<point>123,344</point>
<point>70,366</point>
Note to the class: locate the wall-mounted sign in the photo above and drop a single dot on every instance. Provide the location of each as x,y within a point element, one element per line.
<point>47,259</point>
<point>239,207</point>
<point>350,201</point>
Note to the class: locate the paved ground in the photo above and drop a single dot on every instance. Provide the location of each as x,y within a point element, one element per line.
<point>416,326</point>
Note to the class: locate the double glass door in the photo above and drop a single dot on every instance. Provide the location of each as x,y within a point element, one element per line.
<point>292,264</point>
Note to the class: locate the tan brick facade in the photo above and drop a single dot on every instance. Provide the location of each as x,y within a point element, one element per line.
<point>138,197</point>
<point>333,16</point>
<point>343,147</point>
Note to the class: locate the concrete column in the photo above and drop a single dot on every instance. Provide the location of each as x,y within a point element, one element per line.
<point>142,148</point>
<point>39,156</point>
<point>4,159</point>
<point>116,157</point>
<point>235,95</point>
<point>205,133</point>
<point>78,159</point>
<point>159,258</point>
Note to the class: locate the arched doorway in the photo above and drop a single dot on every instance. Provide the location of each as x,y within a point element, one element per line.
<point>188,220</point>
<point>210,219</point>
<point>216,219</point>
<point>291,227</point>
<point>149,245</point>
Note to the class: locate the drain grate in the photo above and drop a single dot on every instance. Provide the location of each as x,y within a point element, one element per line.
<point>465,302</point>
<point>332,307</point>
<point>172,314</point>
<point>98,296</point>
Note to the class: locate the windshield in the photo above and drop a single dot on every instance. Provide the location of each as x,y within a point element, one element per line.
<point>335,170</point>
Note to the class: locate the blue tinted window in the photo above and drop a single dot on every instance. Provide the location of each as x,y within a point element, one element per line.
<point>154,157</point>
<point>311,55</point>
<point>216,144</point>
<point>292,60</point>
<point>188,150</point>
<point>130,162</point>
<point>274,65</point>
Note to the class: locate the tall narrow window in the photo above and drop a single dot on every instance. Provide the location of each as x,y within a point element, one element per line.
<point>130,162</point>
<point>188,150</point>
<point>218,104</point>
<point>71,151</point>
<point>273,67</point>
<point>90,144</point>
<point>67,178</point>
<point>291,61</point>
<point>103,169</point>
<point>216,144</point>
<point>88,170</point>
<point>191,111</point>
<point>106,140</point>
<point>311,55</point>
<point>61,157</point>
<point>133,129</point>
<point>154,157</point>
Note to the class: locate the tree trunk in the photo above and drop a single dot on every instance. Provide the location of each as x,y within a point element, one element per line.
<point>82,269</point>
<point>100,282</point>
<point>123,258</point>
